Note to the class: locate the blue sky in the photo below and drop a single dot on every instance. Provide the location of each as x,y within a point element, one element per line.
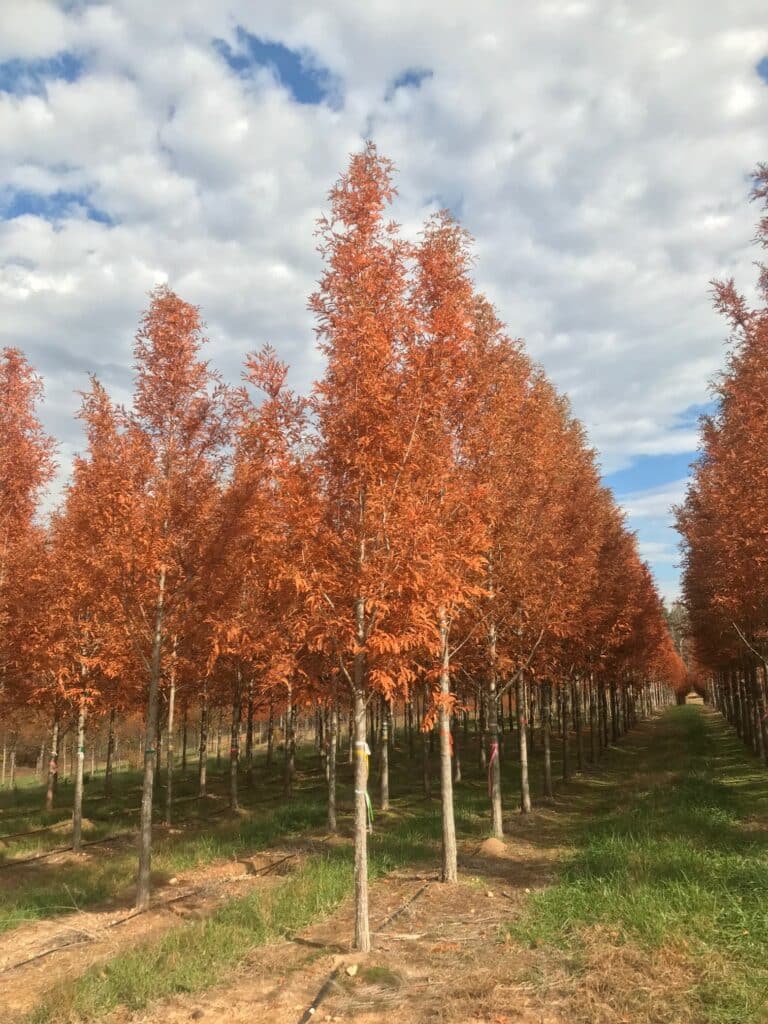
<point>600,158</point>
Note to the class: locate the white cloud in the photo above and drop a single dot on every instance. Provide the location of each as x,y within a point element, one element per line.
<point>655,503</point>
<point>598,153</point>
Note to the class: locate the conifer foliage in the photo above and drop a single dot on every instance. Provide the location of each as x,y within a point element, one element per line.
<point>724,519</point>
<point>427,532</point>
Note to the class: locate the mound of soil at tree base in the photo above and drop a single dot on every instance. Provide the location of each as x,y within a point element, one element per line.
<point>493,848</point>
<point>66,826</point>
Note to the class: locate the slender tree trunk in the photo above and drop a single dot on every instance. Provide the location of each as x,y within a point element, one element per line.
<point>53,767</point>
<point>530,703</point>
<point>456,734</point>
<point>169,752</point>
<point>546,732</point>
<point>270,733</point>
<point>409,727</point>
<point>77,806</point>
<point>592,722</point>
<point>332,751</point>
<point>450,872</point>
<point>362,931</point>
<point>426,768</point>
<point>494,760</point>
<point>145,833</point>
<point>110,755</point>
<point>184,715</point>
<point>576,705</point>
<point>562,691</point>
<point>483,726</point>
<point>5,756</point>
<point>290,745</point>
<point>202,765</point>
<point>249,735</point>
<point>384,756</point>
<point>525,789</point>
<point>234,743</point>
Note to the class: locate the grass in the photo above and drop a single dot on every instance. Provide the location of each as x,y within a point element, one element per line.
<point>675,865</point>
<point>50,889</point>
<point>196,955</point>
<point>666,855</point>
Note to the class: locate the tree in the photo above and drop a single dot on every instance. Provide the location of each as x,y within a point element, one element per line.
<point>360,576</point>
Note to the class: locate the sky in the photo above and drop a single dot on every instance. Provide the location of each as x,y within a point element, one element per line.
<point>599,153</point>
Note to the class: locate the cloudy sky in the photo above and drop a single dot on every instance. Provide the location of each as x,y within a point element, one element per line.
<point>598,151</point>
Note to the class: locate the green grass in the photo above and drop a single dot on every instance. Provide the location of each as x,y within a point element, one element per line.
<point>107,879</point>
<point>196,955</point>
<point>675,866</point>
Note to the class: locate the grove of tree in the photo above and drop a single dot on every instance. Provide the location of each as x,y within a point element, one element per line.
<point>424,537</point>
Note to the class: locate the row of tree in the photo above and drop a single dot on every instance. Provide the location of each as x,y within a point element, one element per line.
<point>429,522</point>
<point>724,519</point>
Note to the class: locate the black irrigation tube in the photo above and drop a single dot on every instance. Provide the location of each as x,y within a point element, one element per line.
<point>79,939</point>
<point>106,839</point>
<point>35,831</point>
<point>330,981</point>
<point>64,849</point>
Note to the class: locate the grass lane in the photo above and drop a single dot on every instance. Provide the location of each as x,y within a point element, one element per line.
<point>675,856</point>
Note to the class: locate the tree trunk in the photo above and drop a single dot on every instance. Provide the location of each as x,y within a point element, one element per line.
<point>290,745</point>
<point>77,806</point>
<point>332,750</point>
<point>202,766</point>
<point>455,732</point>
<point>494,761</point>
<point>362,752</point>
<point>546,731</point>
<point>483,727</point>
<point>147,792</point>
<point>449,871</point>
<point>562,691</point>
<point>110,755</point>
<point>576,705</point>
<point>169,751</point>
<point>184,715</point>
<point>270,732</point>
<point>249,735</point>
<point>426,768</point>
<point>409,727</point>
<point>384,756</point>
<point>234,744</point>
<point>53,767</point>
<point>525,789</point>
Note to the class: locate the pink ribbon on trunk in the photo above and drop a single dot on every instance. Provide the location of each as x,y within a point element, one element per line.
<point>494,756</point>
